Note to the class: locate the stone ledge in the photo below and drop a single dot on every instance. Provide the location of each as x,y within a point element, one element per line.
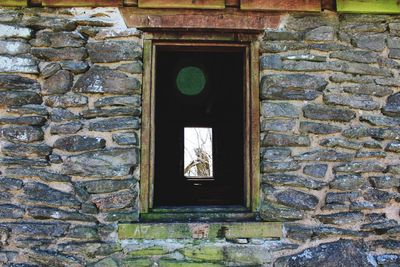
<point>200,230</point>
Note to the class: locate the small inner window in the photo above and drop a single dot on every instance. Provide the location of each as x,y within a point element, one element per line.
<point>198,154</point>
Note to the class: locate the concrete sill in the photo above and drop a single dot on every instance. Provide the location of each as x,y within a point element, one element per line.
<point>214,230</point>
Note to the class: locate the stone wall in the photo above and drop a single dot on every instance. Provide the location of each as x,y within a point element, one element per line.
<point>70,107</point>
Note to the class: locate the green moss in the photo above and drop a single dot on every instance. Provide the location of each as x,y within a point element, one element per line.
<point>22,3</point>
<point>136,263</point>
<point>209,253</point>
<point>174,263</point>
<point>152,251</point>
<point>368,6</point>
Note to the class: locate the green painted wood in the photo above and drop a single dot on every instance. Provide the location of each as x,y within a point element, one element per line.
<point>21,3</point>
<point>200,230</point>
<point>369,6</point>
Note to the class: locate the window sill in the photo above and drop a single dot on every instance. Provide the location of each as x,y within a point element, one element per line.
<point>214,230</point>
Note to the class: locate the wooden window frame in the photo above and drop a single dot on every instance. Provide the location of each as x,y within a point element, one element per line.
<point>252,111</point>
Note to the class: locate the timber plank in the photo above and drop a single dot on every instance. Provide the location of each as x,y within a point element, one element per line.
<point>281,5</point>
<point>21,3</point>
<point>369,6</point>
<point>201,4</point>
<point>228,19</point>
<point>81,3</point>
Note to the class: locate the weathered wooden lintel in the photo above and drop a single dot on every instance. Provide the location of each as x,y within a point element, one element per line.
<point>202,4</point>
<point>228,19</point>
<point>200,230</point>
<point>81,3</point>
<point>279,5</point>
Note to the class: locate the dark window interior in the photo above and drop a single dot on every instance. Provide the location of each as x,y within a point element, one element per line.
<point>218,105</point>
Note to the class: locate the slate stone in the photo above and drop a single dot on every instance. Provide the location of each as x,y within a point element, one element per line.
<point>55,159</point>
<point>11,82</point>
<point>346,182</point>
<point>377,196</point>
<point>324,155</point>
<point>66,100</point>
<point>278,47</point>
<point>29,109</point>
<point>133,68</point>
<point>104,80</point>
<point>109,162</point>
<point>128,101</point>
<point>59,83</point>
<point>285,140</point>
<point>297,199</point>
<point>26,150</point>
<point>366,69</point>
<point>8,184</point>
<point>271,35</point>
<point>18,64</point>
<point>341,197</point>
<point>124,111</point>
<point>106,186</point>
<point>26,120</point>
<point>61,114</point>
<point>304,57</point>
<point>115,124</point>
<point>323,33</point>
<point>356,56</point>
<point>76,67</point>
<point>275,154</point>
<point>126,138</point>
<point>329,46</point>
<point>276,109</point>
<point>394,53</point>
<point>351,78</point>
<point>53,54</point>
<point>38,229</point>
<point>292,181</point>
<point>67,128</point>
<point>42,213</point>
<point>360,167</point>
<point>47,22</point>
<point>370,154</point>
<point>384,182</point>
<point>58,39</point>
<point>380,120</point>
<point>83,232</point>
<point>368,89</point>
<point>386,244</point>
<point>339,142</point>
<point>393,147</point>
<point>22,134</point>
<point>318,128</point>
<point>113,201</point>
<point>52,258</point>
<point>392,107</point>
<point>273,166</point>
<point>8,211</point>
<point>277,125</point>
<point>10,31</point>
<point>19,98</point>
<point>113,51</point>
<point>42,174</point>
<point>291,86</point>
<point>338,253</point>
<point>76,143</point>
<point>370,42</point>
<point>380,227</point>
<point>14,48</point>
<point>41,193</point>
<point>276,212</point>
<point>273,62</point>
<point>388,259</point>
<point>321,112</point>
<point>363,102</point>
<point>24,161</point>
<point>121,216</point>
<point>48,69</point>
<point>316,170</point>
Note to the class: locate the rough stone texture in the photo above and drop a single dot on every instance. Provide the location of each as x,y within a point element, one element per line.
<point>70,107</point>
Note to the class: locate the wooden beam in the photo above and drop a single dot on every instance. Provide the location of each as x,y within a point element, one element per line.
<point>369,6</point>
<point>81,3</point>
<point>199,4</point>
<point>21,3</point>
<point>328,5</point>
<point>232,3</point>
<point>281,5</point>
<point>229,19</point>
<point>130,2</point>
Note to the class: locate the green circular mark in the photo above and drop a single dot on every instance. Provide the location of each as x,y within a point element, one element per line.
<point>190,80</point>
